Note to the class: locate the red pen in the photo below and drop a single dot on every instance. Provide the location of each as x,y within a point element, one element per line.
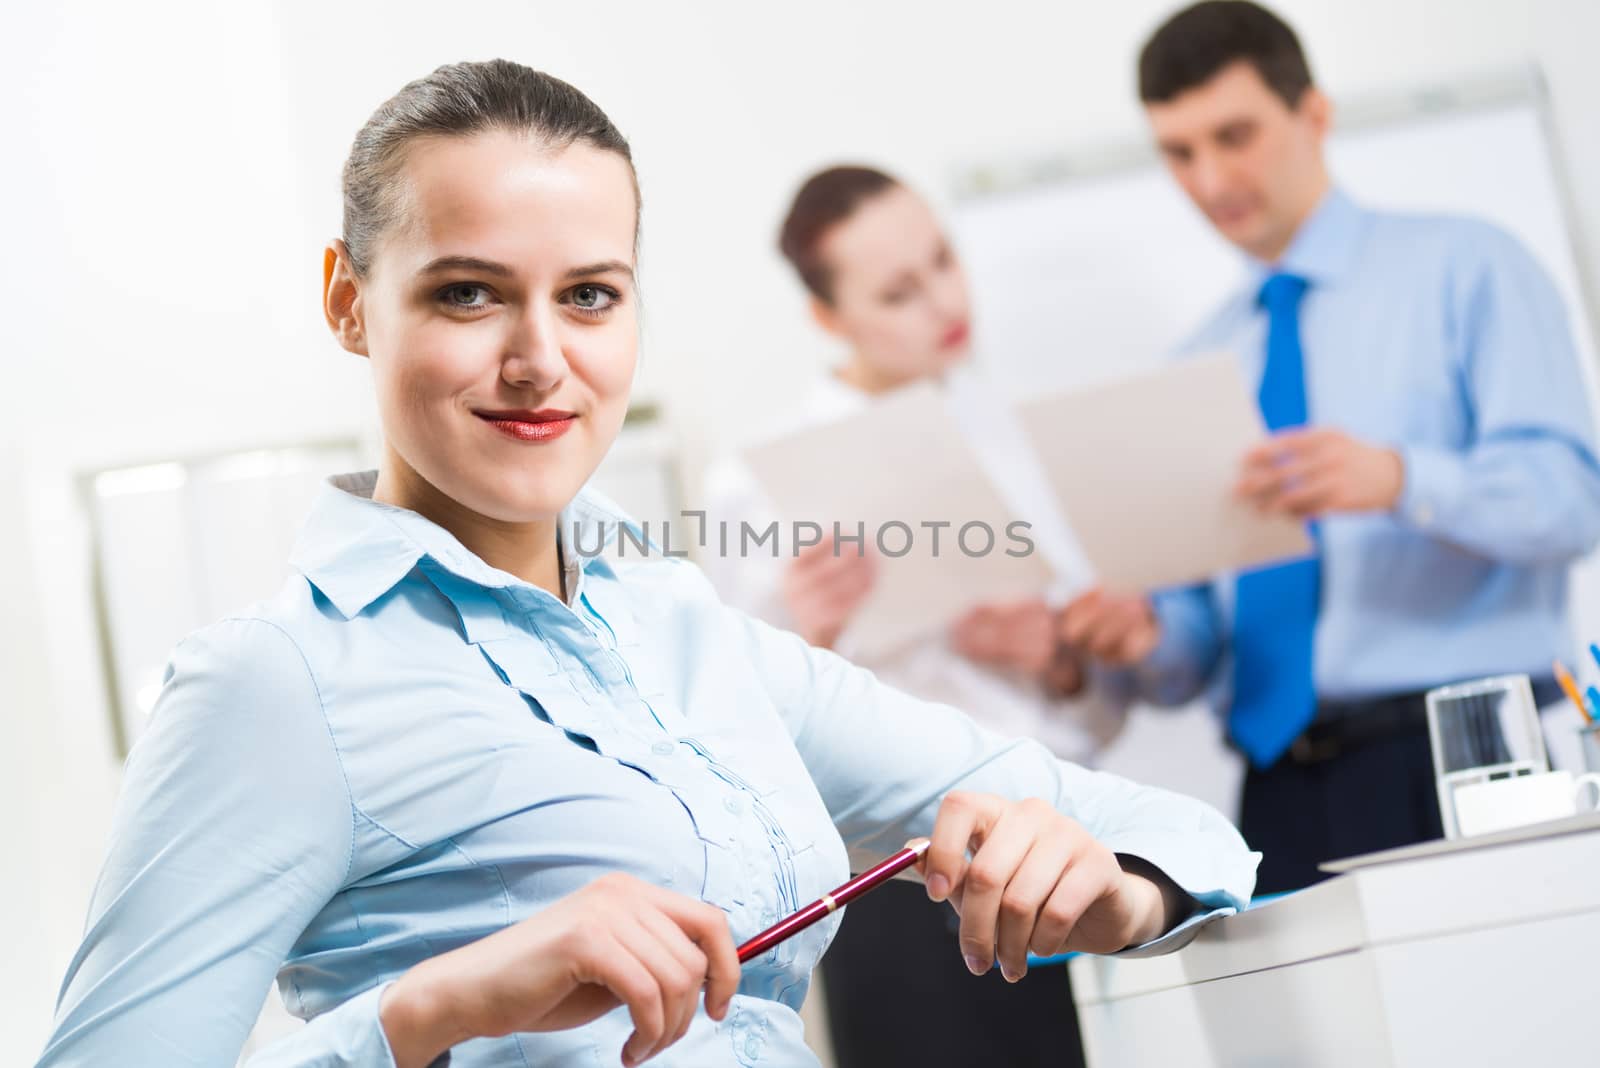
<point>841,896</point>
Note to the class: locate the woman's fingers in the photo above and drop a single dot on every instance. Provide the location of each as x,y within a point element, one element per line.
<point>619,969</point>
<point>707,927</point>
<point>656,951</point>
<point>675,986</point>
<point>1078,888</point>
<point>827,611</point>
<point>823,591</point>
<point>994,862</point>
<point>962,817</point>
<point>843,588</point>
<point>1037,881</point>
<point>618,940</point>
<point>1024,898</point>
<point>825,561</point>
<point>682,1004</point>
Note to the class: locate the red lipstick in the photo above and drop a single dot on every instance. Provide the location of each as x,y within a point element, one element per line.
<point>546,424</point>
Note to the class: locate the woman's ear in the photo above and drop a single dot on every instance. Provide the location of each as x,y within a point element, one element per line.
<point>341,298</point>
<point>826,316</point>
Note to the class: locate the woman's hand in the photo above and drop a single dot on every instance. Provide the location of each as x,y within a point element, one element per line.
<point>823,588</point>
<point>1020,635</point>
<point>618,941</point>
<point>1037,882</point>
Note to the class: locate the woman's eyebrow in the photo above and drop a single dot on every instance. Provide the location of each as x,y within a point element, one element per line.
<point>466,263</point>
<point>603,267</point>
<point>482,266</point>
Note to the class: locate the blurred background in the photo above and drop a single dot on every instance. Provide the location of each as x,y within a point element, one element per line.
<point>171,395</point>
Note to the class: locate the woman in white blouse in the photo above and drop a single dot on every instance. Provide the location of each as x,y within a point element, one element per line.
<point>883,279</point>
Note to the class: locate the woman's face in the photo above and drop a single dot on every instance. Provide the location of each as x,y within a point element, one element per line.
<point>499,315</point>
<point>899,296</point>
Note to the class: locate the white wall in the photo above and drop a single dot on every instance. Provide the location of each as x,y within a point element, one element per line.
<point>172,170</point>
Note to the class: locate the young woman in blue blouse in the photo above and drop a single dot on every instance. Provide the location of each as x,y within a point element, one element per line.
<point>472,794</point>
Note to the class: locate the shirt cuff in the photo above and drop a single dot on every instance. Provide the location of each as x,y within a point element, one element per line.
<point>1166,675</point>
<point>1435,479</point>
<point>1218,876</point>
<point>1179,936</point>
<point>1213,889</point>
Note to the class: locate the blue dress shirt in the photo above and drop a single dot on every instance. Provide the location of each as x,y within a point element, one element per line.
<point>407,750</point>
<point>1444,339</point>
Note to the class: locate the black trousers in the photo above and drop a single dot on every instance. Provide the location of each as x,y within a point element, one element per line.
<point>898,993</point>
<point>1377,795</point>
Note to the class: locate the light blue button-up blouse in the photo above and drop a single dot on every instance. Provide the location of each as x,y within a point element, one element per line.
<point>407,750</point>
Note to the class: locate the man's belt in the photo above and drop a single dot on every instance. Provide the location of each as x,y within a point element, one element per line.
<point>1341,726</point>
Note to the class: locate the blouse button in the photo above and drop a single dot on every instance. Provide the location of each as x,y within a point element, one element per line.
<point>663,748</point>
<point>733,805</point>
<point>752,1047</point>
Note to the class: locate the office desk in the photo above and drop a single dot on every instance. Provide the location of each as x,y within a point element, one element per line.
<point>1448,956</point>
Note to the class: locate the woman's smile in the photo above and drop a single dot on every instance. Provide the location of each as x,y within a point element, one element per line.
<point>543,425</point>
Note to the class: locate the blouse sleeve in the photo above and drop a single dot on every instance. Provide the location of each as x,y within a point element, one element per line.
<point>233,829</point>
<point>883,761</point>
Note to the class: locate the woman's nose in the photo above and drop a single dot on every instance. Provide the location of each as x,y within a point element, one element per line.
<point>533,358</point>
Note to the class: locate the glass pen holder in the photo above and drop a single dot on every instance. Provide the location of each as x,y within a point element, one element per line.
<point>1482,731</point>
<point>1589,744</point>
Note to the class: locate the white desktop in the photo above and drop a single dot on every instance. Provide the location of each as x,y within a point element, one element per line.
<point>1462,953</point>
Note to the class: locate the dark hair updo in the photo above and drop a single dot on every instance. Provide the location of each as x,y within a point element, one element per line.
<point>459,100</point>
<point>826,199</point>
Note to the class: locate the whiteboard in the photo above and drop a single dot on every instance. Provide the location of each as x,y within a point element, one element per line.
<point>1085,270</point>
<point>1081,278</point>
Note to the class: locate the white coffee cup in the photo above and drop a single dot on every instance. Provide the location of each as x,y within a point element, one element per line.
<point>1500,804</point>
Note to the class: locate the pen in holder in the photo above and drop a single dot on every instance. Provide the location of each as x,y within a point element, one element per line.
<point>1589,742</point>
<point>1482,731</point>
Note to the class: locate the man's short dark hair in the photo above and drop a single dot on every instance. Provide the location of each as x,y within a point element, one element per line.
<point>1193,46</point>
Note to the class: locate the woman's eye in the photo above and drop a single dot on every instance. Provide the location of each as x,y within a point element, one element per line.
<point>466,296</point>
<point>592,298</point>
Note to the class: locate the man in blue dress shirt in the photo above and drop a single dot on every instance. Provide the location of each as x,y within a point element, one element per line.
<point>1429,421</point>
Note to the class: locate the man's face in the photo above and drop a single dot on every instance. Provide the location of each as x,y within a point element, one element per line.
<point>1250,162</point>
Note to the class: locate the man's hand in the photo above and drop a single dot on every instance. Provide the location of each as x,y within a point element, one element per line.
<point>1314,471</point>
<point>1115,628</point>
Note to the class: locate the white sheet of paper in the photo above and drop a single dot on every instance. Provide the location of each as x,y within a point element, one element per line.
<point>903,460</point>
<point>1145,468</point>
<point>1002,449</point>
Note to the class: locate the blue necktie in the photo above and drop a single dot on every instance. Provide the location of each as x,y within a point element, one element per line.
<point>1276,611</point>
